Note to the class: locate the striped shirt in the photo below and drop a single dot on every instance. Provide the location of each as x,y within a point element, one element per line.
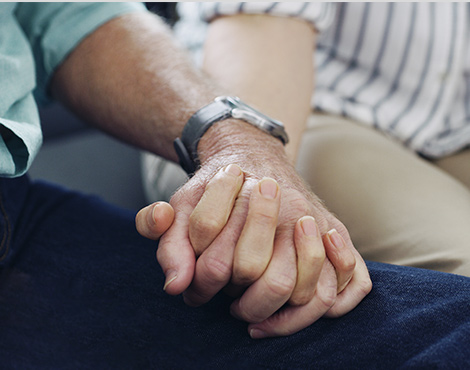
<point>402,68</point>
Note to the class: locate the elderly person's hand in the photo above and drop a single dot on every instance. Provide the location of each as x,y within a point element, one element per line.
<point>250,233</point>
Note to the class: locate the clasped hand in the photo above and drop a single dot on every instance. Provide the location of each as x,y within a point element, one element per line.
<point>261,244</point>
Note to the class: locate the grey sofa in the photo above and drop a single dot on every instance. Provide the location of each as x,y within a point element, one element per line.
<point>82,158</point>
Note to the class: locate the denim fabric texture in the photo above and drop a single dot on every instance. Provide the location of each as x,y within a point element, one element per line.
<point>80,289</point>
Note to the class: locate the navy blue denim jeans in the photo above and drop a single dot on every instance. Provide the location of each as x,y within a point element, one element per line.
<point>80,289</point>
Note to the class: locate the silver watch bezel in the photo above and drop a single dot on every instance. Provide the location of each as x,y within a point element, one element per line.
<point>240,110</point>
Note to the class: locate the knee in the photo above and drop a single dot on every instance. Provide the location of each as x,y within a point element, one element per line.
<point>441,250</point>
<point>444,243</point>
<point>450,259</point>
<point>424,240</point>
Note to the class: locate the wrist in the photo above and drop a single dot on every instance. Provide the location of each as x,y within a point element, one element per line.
<point>257,153</point>
<point>223,108</point>
<point>234,139</point>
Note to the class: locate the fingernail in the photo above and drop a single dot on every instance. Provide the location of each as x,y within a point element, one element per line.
<point>171,276</point>
<point>233,169</point>
<point>268,188</point>
<point>336,239</point>
<point>257,334</point>
<point>154,212</point>
<point>309,226</point>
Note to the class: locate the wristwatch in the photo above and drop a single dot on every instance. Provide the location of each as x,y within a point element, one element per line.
<point>221,108</point>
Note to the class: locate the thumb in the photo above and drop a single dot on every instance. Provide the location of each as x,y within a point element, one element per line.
<point>153,220</point>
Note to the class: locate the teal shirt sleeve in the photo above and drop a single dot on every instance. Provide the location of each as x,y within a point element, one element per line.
<point>55,29</point>
<point>35,39</point>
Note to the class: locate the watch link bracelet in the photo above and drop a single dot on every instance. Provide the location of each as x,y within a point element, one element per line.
<point>221,108</point>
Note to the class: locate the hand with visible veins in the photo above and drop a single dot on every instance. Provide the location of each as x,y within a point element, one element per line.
<point>238,236</point>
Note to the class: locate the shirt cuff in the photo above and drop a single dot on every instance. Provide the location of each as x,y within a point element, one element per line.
<point>19,147</point>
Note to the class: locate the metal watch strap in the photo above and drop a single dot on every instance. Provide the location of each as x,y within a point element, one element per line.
<point>198,124</point>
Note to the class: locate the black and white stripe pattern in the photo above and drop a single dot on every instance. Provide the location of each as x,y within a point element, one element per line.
<point>403,68</point>
<point>399,67</point>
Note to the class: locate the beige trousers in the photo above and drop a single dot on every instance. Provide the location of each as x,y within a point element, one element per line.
<point>398,207</point>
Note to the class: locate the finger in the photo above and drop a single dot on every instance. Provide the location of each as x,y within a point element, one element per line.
<point>310,258</point>
<point>291,319</point>
<point>213,272</point>
<point>341,256</point>
<point>255,245</point>
<point>175,254</point>
<point>213,210</point>
<point>359,286</point>
<point>153,220</point>
<point>214,266</point>
<point>272,290</point>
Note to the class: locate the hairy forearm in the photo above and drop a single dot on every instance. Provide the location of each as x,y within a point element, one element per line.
<point>129,79</point>
<point>267,61</point>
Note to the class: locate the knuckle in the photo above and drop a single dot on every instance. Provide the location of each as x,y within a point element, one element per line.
<point>365,286</point>
<point>160,257</point>
<point>263,219</point>
<point>281,324</point>
<point>245,312</point>
<point>182,199</point>
<point>161,252</point>
<point>216,270</point>
<point>280,285</point>
<point>205,224</point>
<point>348,263</point>
<point>246,273</point>
<point>316,256</point>
<point>327,297</point>
<point>302,298</point>
<point>251,316</point>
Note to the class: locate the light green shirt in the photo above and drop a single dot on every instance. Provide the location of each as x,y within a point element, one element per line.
<point>34,39</point>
